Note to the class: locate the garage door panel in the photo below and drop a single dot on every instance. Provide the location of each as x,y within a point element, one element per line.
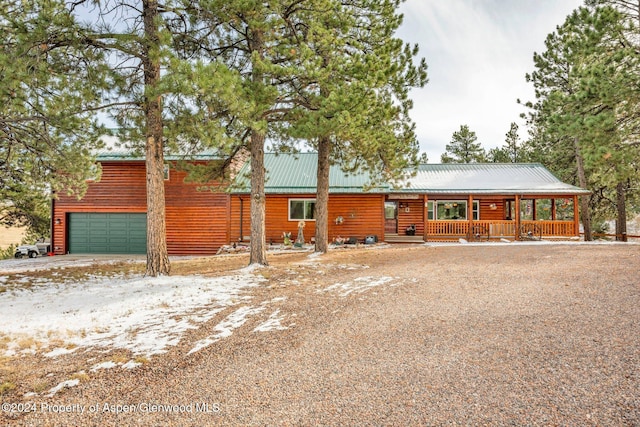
<point>107,233</point>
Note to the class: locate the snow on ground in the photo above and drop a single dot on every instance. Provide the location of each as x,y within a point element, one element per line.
<point>273,323</point>
<point>60,262</point>
<point>225,328</point>
<point>357,285</point>
<point>144,315</point>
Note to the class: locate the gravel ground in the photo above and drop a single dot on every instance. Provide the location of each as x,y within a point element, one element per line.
<point>444,335</point>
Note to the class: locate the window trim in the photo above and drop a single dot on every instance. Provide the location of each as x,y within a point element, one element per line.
<point>306,203</point>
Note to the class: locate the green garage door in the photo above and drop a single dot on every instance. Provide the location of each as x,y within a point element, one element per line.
<point>107,233</point>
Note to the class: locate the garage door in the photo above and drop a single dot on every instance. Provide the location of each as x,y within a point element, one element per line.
<point>107,233</point>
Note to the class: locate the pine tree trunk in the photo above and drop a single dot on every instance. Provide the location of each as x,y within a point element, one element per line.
<point>585,212</point>
<point>621,221</point>
<point>322,196</point>
<point>157,255</point>
<point>258,254</point>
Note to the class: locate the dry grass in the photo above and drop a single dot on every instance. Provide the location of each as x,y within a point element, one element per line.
<point>32,279</point>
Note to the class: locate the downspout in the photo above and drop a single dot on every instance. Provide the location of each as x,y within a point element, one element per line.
<point>51,225</point>
<point>425,217</point>
<point>241,218</point>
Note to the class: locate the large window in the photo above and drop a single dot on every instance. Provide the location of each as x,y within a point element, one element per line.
<point>302,209</point>
<point>452,210</point>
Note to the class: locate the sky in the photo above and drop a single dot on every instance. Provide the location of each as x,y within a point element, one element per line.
<point>478,53</point>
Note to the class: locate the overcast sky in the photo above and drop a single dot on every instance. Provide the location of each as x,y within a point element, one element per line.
<point>478,52</point>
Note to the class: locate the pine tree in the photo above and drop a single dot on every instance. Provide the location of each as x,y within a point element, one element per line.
<point>47,131</point>
<point>513,151</point>
<point>263,43</point>
<point>163,89</point>
<point>359,116</point>
<point>585,104</point>
<point>463,148</point>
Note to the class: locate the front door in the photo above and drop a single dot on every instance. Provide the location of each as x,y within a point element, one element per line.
<point>391,217</point>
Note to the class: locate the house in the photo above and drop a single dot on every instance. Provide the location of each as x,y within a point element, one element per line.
<point>111,217</point>
<point>441,202</point>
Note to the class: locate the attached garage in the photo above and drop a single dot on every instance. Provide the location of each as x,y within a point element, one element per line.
<point>107,233</point>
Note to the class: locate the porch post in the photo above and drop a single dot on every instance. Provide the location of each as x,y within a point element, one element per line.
<point>576,217</point>
<point>470,214</point>
<point>517,218</point>
<point>425,216</point>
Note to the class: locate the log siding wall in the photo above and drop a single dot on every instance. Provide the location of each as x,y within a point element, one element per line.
<point>197,221</point>
<point>363,215</point>
<point>200,222</point>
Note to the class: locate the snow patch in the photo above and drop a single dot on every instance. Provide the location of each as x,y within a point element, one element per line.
<point>103,365</point>
<point>142,314</point>
<point>64,384</point>
<point>273,323</point>
<point>358,285</point>
<point>227,326</point>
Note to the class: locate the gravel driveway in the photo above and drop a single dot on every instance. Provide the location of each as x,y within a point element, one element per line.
<point>443,335</point>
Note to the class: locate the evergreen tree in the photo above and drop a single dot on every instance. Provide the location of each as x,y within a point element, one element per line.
<point>48,92</point>
<point>264,44</point>
<point>464,148</point>
<point>357,106</point>
<point>161,91</point>
<point>585,104</point>
<point>513,151</point>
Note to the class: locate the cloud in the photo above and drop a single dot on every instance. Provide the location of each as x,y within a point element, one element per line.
<point>478,52</point>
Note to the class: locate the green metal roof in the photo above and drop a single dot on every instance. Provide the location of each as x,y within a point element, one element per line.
<point>296,174</point>
<point>488,178</point>
<point>124,155</point>
<point>116,151</point>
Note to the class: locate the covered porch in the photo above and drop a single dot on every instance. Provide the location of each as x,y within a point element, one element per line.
<point>417,218</point>
<point>513,201</point>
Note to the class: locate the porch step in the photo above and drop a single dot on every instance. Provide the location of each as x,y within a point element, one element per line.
<point>398,238</point>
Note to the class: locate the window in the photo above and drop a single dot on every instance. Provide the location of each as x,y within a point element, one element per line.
<point>451,209</point>
<point>166,172</point>
<point>302,209</point>
<point>390,210</point>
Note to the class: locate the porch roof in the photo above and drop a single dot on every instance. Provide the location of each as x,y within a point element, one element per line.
<point>488,178</point>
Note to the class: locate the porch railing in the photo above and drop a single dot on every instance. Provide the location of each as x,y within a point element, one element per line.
<point>499,229</point>
<point>555,228</point>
